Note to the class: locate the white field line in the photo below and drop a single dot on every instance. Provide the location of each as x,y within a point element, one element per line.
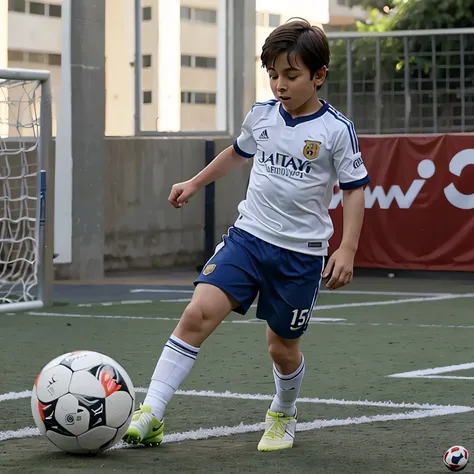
<point>222,431</point>
<point>437,297</point>
<point>447,377</point>
<point>95,316</point>
<point>389,302</point>
<point>15,395</point>
<point>322,401</point>
<point>159,290</point>
<point>114,303</point>
<point>19,434</point>
<point>336,306</point>
<point>179,300</point>
<point>426,412</point>
<point>324,321</point>
<point>218,432</point>
<point>337,292</point>
<point>398,325</point>
<point>433,297</point>
<point>151,318</point>
<point>434,372</point>
<point>382,293</point>
<point>263,397</point>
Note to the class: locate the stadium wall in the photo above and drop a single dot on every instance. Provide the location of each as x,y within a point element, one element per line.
<point>142,230</point>
<point>418,206</point>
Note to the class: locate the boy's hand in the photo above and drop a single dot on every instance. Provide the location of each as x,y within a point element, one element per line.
<point>340,267</point>
<point>181,193</point>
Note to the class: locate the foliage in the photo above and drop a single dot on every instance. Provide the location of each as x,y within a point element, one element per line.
<point>407,15</point>
<point>379,4</point>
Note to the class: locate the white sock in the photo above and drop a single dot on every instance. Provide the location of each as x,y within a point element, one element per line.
<point>172,368</point>
<point>287,390</point>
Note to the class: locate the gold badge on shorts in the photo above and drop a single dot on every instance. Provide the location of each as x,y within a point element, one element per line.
<point>209,269</point>
<point>311,149</point>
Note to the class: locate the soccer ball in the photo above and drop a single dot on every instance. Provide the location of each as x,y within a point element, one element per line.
<point>456,458</point>
<point>83,402</point>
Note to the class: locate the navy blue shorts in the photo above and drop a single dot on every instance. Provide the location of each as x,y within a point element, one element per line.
<point>287,282</point>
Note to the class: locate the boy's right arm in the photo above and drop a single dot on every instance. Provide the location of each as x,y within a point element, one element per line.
<point>220,166</point>
<point>235,156</point>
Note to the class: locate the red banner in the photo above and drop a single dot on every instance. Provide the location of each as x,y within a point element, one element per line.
<point>419,206</point>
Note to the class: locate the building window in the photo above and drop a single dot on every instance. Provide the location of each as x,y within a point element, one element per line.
<point>198,61</point>
<point>39,58</point>
<point>54,59</point>
<point>15,55</point>
<point>211,97</point>
<point>205,16</point>
<point>208,63</point>
<point>147,98</point>
<point>146,60</point>
<point>55,10</point>
<point>274,20</point>
<point>17,6</point>
<point>146,13</point>
<point>37,8</point>
<point>198,14</point>
<point>185,13</point>
<point>185,61</point>
<point>185,97</point>
<point>198,98</point>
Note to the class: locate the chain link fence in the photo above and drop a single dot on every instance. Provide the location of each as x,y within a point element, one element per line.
<point>404,81</point>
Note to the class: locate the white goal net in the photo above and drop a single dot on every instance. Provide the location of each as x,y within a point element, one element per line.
<point>25,133</point>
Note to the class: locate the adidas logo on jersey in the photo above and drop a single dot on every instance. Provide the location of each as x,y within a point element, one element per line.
<point>263,135</point>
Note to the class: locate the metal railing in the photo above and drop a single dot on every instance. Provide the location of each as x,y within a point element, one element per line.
<point>404,81</point>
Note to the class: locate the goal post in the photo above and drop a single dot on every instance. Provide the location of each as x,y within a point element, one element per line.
<point>26,190</point>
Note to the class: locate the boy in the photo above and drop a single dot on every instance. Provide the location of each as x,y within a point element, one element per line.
<point>301,147</point>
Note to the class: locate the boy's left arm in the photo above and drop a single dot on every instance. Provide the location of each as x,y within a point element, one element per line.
<point>341,263</point>
<point>353,177</point>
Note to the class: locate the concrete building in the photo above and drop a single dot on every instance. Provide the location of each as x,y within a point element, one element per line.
<point>180,53</point>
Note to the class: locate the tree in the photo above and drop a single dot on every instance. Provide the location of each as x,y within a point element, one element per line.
<point>379,88</point>
<point>431,14</point>
<point>379,4</point>
<point>409,15</point>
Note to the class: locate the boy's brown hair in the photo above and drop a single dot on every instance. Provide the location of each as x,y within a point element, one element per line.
<point>297,37</point>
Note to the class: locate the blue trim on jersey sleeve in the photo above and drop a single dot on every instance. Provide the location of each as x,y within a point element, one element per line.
<point>349,123</point>
<point>355,184</point>
<point>350,127</point>
<point>292,122</point>
<point>270,102</point>
<point>241,152</point>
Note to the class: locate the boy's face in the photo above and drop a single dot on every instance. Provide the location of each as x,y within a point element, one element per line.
<point>292,84</point>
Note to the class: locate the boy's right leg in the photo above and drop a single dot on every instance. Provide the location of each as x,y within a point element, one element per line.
<point>207,309</point>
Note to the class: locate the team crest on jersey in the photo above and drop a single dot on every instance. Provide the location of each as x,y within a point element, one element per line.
<point>311,149</point>
<point>209,269</point>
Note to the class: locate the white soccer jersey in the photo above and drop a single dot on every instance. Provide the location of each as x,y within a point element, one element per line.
<point>297,162</point>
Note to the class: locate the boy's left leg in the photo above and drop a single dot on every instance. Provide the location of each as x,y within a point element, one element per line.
<point>288,373</point>
<point>288,294</point>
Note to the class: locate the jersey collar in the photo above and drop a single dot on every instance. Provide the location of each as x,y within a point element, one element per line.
<point>292,122</point>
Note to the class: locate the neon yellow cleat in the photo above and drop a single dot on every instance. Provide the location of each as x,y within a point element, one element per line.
<point>279,432</point>
<point>145,428</point>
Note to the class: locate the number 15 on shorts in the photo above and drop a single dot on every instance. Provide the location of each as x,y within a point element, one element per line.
<point>300,319</point>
